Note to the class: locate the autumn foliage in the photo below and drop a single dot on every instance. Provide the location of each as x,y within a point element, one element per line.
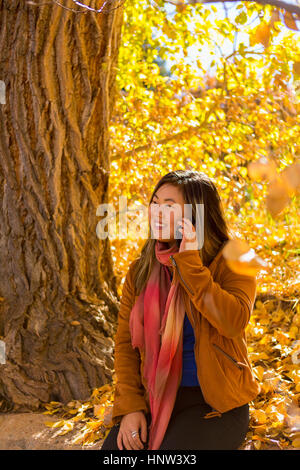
<point>238,123</point>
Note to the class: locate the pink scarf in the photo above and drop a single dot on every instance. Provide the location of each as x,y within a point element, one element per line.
<point>159,310</point>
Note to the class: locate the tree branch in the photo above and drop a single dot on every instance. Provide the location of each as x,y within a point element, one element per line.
<point>292,8</point>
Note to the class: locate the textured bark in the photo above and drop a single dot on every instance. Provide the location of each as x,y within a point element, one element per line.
<point>59,71</point>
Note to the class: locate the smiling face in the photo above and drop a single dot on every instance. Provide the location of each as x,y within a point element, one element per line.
<point>165,210</point>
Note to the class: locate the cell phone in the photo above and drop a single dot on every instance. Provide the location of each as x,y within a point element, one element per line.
<point>178,234</point>
<point>178,238</point>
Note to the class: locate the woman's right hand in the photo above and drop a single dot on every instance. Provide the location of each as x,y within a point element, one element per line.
<point>135,421</point>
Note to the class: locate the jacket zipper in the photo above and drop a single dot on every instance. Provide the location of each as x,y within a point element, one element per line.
<point>235,362</point>
<point>175,264</point>
<point>213,410</point>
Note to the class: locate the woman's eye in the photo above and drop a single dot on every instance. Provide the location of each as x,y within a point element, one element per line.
<point>167,205</point>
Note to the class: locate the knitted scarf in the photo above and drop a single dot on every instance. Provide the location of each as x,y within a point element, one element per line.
<point>156,327</point>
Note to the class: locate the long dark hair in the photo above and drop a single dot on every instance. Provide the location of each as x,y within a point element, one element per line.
<point>197,188</point>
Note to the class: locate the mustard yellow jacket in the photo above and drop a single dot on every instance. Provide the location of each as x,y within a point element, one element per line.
<point>223,302</point>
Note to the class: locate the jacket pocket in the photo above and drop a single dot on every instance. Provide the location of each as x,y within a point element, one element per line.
<point>238,364</point>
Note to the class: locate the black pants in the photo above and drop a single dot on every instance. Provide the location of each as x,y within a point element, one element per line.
<point>188,430</point>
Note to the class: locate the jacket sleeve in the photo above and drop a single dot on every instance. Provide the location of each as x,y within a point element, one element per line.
<point>129,390</point>
<point>228,305</point>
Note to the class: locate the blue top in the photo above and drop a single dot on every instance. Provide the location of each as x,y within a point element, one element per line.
<point>189,367</point>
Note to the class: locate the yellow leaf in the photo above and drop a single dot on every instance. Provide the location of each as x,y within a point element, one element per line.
<point>296,67</point>
<point>78,439</point>
<point>258,356</point>
<point>107,432</point>
<point>275,17</point>
<point>258,372</point>
<point>50,412</point>
<point>260,428</point>
<point>79,417</point>
<point>293,333</point>
<point>90,438</point>
<point>68,426</point>
<point>289,21</point>
<point>241,259</point>
<point>103,389</point>
<point>296,319</point>
<point>259,416</point>
<point>294,375</point>
<point>265,339</point>
<point>262,169</point>
<point>278,315</point>
<point>290,177</point>
<point>277,197</point>
<point>75,322</point>
<point>262,35</point>
<point>296,443</point>
<point>257,444</point>
<point>55,424</point>
<point>181,7</point>
<point>99,410</point>
<point>94,425</point>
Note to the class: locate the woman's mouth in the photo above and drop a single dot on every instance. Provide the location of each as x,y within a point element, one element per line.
<point>159,226</point>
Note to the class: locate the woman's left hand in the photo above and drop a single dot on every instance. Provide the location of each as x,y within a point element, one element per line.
<point>189,237</point>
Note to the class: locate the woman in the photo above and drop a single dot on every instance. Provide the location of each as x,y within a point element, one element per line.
<point>184,380</point>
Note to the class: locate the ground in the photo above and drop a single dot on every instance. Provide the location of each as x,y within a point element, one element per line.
<point>27,431</point>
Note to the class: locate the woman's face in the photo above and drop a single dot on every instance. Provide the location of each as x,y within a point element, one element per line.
<point>165,210</point>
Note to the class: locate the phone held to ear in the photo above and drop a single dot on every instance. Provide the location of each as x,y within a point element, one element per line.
<point>178,234</point>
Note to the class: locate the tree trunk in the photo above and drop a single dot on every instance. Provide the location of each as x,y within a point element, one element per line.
<point>58,68</point>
